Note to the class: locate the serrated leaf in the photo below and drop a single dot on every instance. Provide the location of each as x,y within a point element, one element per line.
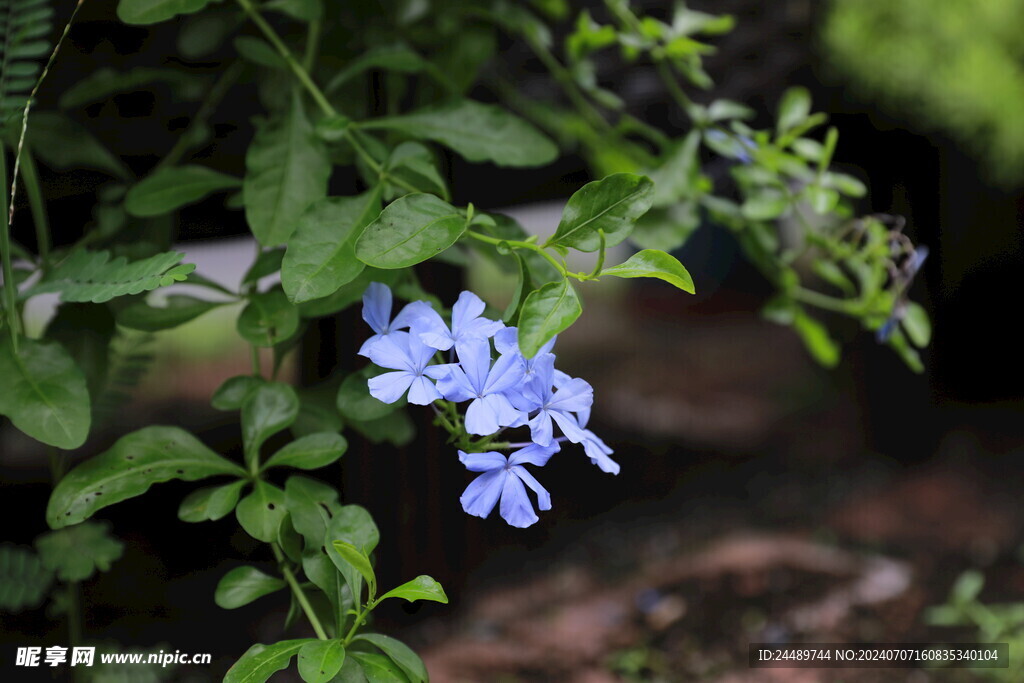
<point>546,312</point>
<point>171,188</point>
<point>260,662</point>
<point>153,11</point>
<point>268,319</point>
<point>134,463</point>
<point>267,410</point>
<point>177,310</point>
<point>410,230</point>
<point>77,552</point>
<point>321,255</point>
<point>475,131</point>
<point>321,660</point>
<point>91,276</point>
<point>657,264</point>
<point>44,393</point>
<point>24,581</point>
<point>210,503</point>
<point>422,587</point>
<point>261,512</point>
<point>242,585</point>
<point>611,205</point>
<point>399,653</point>
<point>287,168</point>
<point>310,452</point>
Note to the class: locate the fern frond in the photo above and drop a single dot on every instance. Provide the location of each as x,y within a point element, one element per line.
<point>26,26</point>
<point>129,359</point>
<point>23,580</point>
<point>92,276</point>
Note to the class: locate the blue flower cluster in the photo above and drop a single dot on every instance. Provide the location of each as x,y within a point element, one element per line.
<point>501,387</point>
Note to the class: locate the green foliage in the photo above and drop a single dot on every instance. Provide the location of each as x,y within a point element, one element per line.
<point>410,230</point>
<point>153,11</point>
<point>546,312</point>
<point>24,581</point>
<point>420,588</point>
<point>321,660</point>
<point>77,552</point>
<point>610,206</point>
<point>260,662</point>
<point>26,26</point>
<point>92,276</point>
<point>654,263</point>
<point>242,585</point>
<point>310,452</point>
<point>171,188</point>
<point>399,653</point>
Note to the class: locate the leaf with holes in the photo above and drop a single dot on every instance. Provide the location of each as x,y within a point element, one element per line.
<point>262,511</point>
<point>134,463</point>
<point>210,503</point>
<point>321,660</point>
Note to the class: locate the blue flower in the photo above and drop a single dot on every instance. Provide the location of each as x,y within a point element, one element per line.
<point>553,404</point>
<point>474,379</point>
<point>503,479</point>
<point>410,357</point>
<point>377,314</point>
<point>467,323</point>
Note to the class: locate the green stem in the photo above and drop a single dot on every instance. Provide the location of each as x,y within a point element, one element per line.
<point>674,89</point>
<point>300,595</point>
<point>353,139</point>
<point>823,301</point>
<point>516,244</point>
<point>10,288</point>
<point>38,207</point>
<point>254,352</point>
<point>565,79</point>
<point>312,45</point>
<point>360,617</point>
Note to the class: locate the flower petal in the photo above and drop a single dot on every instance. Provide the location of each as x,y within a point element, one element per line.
<point>453,383</point>
<point>475,357</point>
<point>482,494</point>
<point>504,412</point>
<point>410,313</point>
<point>391,351</point>
<point>482,462</point>
<point>506,373</point>
<point>516,508</point>
<point>432,330</point>
<point>541,430</point>
<point>506,340</point>
<point>390,386</point>
<point>468,307</point>
<point>480,418</point>
<point>533,454</point>
<point>567,423</point>
<point>377,307</point>
<point>574,396</point>
<point>422,392</point>
<point>543,497</point>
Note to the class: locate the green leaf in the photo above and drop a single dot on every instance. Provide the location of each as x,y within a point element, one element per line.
<point>210,503</point>
<point>794,108</point>
<point>153,11</point>
<point>816,339</point>
<point>268,319</point>
<point>765,206</point>
<point>321,660</point>
<point>267,410</point>
<point>310,452</point>
<point>350,293</point>
<point>916,324</point>
<point>242,585</point>
<point>103,83</point>
<point>232,393</point>
<point>395,428</point>
<point>822,199</point>
<point>133,464</point>
<point>475,131</point>
<point>678,175</point>
<point>260,662</point>
<point>303,10</point>
<point>86,332</point>
<point>261,512</point>
<point>312,505</point>
<point>24,582</point>
<point>355,402</point>
<point>397,57</point>
<point>267,262</point>
<point>378,668</point>
<point>77,552</point>
<point>178,310</point>
<point>354,557</point>
<point>547,311</point>
<point>410,230</point>
<point>421,588</point>
<point>44,392</point>
<point>654,263</point>
<point>171,188</point>
<point>414,164</point>
<point>399,653</point>
<point>90,276</point>
<point>352,524</point>
<point>61,143</point>
<point>612,205</point>
<point>321,255</point>
<point>259,52</point>
<point>287,168</point>
<point>27,27</point>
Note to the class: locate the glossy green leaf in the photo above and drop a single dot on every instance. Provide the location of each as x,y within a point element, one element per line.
<point>547,311</point>
<point>399,653</point>
<point>210,503</point>
<point>44,393</point>
<point>242,585</point>
<point>267,410</point>
<point>134,463</point>
<point>261,512</point>
<point>260,662</point>
<point>654,263</point>
<point>267,262</point>
<point>232,393</point>
<point>321,660</point>
<point>259,52</point>
<point>171,188</point>
<point>410,230</point>
<point>360,562</point>
<point>378,668</point>
<point>321,255</point>
<point>287,168</point>
<point>475,131</point>
<point>310,452</point>
<point>92,276</point>
<point>153,11</point>
<point>350,293</point>
<point>177,310</point>
<point>77,552</point>
<point>421,588</point>
<point>352,524</point>
<point>268,319</point>
<point>413,164</point>
<point>611,205</point>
